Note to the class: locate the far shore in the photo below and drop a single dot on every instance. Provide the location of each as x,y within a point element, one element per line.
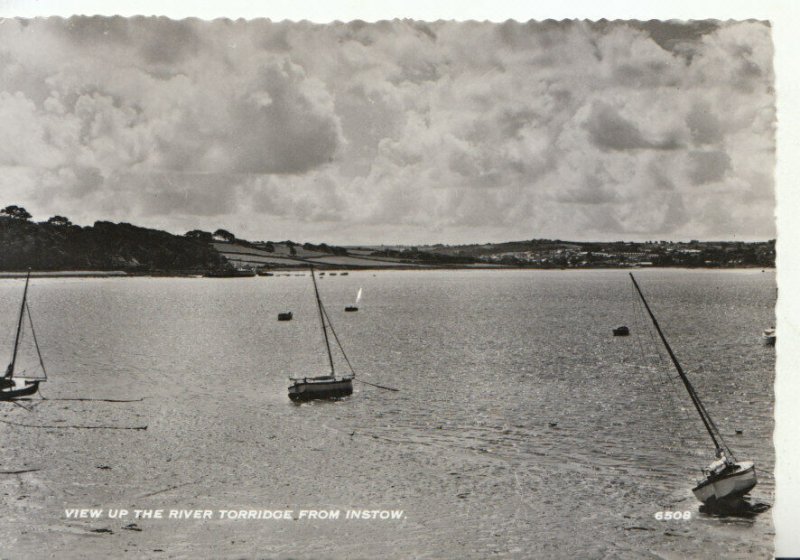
<point>64,273</point>
<point>289,270</point>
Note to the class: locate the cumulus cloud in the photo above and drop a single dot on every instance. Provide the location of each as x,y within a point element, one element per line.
<point>609,130</point>
<point>421,132</point>
<point>707,167</point>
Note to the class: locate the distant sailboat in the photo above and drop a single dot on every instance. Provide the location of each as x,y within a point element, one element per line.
<point>354,307</point>
<point>323,386</point>
<point>725,479</point>
<point>11,385</point>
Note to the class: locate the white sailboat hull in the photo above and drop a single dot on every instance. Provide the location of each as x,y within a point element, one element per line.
<point>732,484</point>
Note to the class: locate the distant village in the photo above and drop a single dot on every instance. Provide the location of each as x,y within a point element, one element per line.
<point>553,254</point>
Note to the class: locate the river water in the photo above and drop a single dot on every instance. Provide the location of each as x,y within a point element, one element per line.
<point>522,428</point>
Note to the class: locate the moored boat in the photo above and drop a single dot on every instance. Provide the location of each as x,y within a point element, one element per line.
<point>11,385</point>
<point>321,387</point>
<point>327,386</point>
<point>354,307</point>
<point>769,336</point>
<point>286,316</point>
<point>621,331</point>
<point>726,479</point>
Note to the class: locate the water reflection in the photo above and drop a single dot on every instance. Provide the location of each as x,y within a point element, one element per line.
<point>740,508</point>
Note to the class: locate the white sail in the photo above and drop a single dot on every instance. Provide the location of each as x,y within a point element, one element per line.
<point>358,296</point>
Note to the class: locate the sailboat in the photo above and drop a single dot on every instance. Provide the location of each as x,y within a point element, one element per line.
<point>13,386</point>
<point>354,307</point>
<point>726,479</point>
<point>323,386</point>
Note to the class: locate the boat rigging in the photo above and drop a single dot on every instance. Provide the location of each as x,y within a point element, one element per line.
<point>726,478</point>
<point>323,386</point>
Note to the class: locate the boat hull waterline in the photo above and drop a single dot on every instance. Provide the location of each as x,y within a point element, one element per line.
<point>320,388</point>
<point>727,486</point>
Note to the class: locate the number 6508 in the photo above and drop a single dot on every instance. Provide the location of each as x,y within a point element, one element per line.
<point>673,515</point>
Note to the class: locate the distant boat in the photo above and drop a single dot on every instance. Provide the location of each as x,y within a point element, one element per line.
<point>244,271</point>
<point>11,385</point>
<point>725,479</point>
<point>323,386</point>
<point>237,272</point>
<point>343,273</point>
<point>265,273</point>
<point>287,316</point>
<point>621,331</point>
<point>769,336</point>
<point>354,307</point>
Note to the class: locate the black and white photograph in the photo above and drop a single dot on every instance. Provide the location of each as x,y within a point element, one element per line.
<point>409,286</point>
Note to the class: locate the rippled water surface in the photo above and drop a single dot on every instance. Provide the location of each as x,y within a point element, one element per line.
<point>522,428</point>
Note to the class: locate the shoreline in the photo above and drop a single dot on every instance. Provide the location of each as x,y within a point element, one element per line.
<point>198,274</point>
<point>66,274</point>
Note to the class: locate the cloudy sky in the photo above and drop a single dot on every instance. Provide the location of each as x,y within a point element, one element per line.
<point>395,132</point>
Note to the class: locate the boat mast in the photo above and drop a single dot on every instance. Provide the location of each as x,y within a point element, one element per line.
<point>10,370</point>
<point>707,422</point>
<point>322,321</point>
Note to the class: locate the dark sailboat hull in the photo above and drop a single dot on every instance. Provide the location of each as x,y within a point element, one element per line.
<point>316,388</point>
<point>12,393</point>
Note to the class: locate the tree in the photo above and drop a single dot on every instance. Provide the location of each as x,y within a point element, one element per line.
<point>198,234</point>
<point>226,235</point>
<point>59,221</point>
<point>17,212</point>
